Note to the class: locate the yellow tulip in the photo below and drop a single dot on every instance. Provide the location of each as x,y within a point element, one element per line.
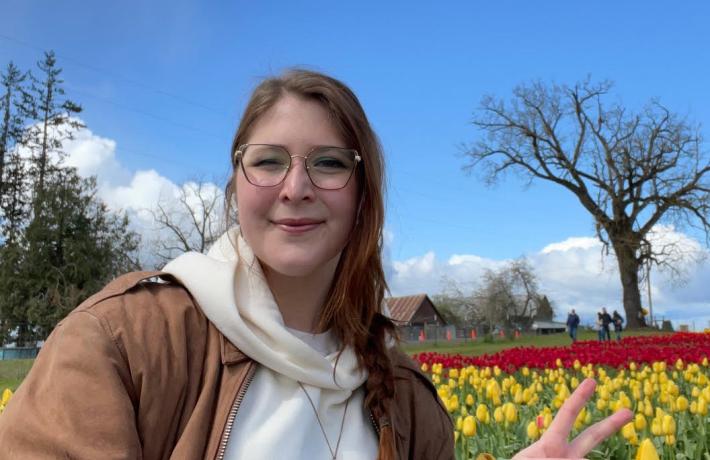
<point>511,413</point>
<point>647,451</point>
<point>640,422</point>
<point>453,403</point>
<point>469,426</point>
<point>547,420</point>
<point>443,392</point>
<point>648,409</point>
<point>628,431</point>
<point>604,393</point>
<point>668,425</point>
<point>681,403</point>
<point>656,427</point>
<point>498,415</point>
<point>581,417</point>
<point>482,413</point>
<point>601,404</point>
<point>533,432</point>
<point>469,400</point>
<point>6,395</point>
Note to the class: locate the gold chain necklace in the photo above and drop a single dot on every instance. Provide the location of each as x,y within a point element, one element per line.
<point>342,422</point>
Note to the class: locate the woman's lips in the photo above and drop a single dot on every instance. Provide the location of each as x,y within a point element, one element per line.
<point>296,227</point>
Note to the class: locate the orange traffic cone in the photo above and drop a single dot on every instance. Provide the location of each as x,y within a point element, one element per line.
<point>473,334</point>
<point>448,335</point>
<point>517,334</point>
<point>422,337</point>
<point>502,334</point>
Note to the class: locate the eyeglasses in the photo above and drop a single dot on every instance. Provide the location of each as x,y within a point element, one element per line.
<point>328,168</point>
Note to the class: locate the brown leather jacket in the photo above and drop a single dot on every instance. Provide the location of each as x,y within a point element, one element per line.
<point>138,372</point>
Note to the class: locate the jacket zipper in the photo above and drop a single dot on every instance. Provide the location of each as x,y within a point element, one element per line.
<point>233,414</point>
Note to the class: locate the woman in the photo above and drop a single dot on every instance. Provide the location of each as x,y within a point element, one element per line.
<point>273,345</point>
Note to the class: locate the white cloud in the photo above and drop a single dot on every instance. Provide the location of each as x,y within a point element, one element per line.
<point>572,244</point>
<point>134,192</point>
<point>93,155</point>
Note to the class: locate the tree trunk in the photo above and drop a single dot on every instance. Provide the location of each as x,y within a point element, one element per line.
<point>629,270</point>
<point>4,136</point>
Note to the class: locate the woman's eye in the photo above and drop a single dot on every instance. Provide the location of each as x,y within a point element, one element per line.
<point>329,163</point>
<point>268,162</point>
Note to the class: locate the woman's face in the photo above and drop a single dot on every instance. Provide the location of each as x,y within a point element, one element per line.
<point>295,228</point>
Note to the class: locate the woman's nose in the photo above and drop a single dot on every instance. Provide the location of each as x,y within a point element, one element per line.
<point>297,184</point>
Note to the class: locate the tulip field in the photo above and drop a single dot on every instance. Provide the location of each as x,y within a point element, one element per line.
<point>503,402</point>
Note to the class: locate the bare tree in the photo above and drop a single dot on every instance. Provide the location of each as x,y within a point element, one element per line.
<point>456,307</point>
<point>506,297</point>
<point>630,171</point>
<point>190,220</point>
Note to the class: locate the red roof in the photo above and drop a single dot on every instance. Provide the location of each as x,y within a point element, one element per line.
<point>402,309</point>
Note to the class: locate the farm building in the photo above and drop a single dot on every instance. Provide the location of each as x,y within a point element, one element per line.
<point>414,310</point>
<point>414,313</point>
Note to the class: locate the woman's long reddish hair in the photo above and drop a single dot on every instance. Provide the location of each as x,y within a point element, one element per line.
<point>353,306</point>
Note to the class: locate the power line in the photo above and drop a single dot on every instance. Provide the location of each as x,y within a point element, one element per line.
<point>145,113</point>
<point>134,82</point>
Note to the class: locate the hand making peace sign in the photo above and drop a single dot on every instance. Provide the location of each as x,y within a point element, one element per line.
<point>554,442</point>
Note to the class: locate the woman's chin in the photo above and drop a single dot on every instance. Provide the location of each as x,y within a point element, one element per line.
<point>299,267</point>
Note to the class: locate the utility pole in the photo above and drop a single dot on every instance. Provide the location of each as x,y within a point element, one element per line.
<point>646,248</point>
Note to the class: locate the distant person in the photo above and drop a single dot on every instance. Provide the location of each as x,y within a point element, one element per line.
<point>572,324</point>
<point>606,322</point>
<point>618,324</point>
<point>599,328</point>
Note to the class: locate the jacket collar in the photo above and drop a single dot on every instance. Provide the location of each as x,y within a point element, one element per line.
<point>230,353</point>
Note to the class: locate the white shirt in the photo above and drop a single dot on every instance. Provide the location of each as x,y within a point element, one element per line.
<point>276,421</point>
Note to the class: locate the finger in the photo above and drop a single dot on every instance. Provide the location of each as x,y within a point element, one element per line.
<point>564,420</point>
<point>598,432</point>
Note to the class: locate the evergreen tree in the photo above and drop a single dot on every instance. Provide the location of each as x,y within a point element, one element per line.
<point>54,124</point>
<point>73,247</point>
<point>14,200</point>
<point>59,243</point>
<point>545,312</point>
<point>11,103</point>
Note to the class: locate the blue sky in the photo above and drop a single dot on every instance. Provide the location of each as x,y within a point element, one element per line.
<point>167,82</point>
